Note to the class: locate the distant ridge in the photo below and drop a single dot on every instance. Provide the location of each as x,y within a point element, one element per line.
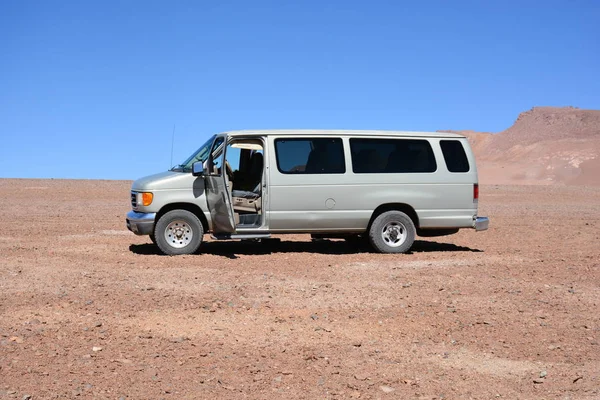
<point>545,145</point>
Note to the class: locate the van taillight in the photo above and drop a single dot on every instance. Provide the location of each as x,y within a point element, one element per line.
<point>475,192</point>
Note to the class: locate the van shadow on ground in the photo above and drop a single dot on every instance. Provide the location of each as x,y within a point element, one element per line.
<point>234,248</point>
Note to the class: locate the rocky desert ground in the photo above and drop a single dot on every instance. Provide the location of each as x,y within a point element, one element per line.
<point>89,310</point>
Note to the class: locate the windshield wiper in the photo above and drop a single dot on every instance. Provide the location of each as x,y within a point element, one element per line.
<point>179,167</point>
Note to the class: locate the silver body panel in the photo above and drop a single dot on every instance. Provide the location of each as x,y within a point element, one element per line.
<point>171,187</point>
<point>345,202</point>
<point>328,203</point>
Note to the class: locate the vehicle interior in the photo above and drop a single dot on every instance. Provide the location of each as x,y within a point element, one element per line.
<point>245,166</point>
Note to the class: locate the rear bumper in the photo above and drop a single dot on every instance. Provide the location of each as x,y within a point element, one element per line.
<point>140,223</point>
<point>481,223</point>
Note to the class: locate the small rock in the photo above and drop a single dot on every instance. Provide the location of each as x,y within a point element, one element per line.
<point>16,339</point>
<point>361,377</point>
<point>96,348</point>
<point>26,397</point>
<point>98,324</point>
<point>386,389</point>
<point>543,374</point>
<point>538,381</point>
<point>277,378</point>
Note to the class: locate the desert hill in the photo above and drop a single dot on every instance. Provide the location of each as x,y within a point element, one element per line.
<point>545,145</point>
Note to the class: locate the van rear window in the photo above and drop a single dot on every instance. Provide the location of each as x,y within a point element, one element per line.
<point>310,156</point>
<point>455,156</point>
<point>374,156</point>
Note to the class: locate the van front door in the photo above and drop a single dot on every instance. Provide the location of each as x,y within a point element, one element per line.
<point>218,196</point>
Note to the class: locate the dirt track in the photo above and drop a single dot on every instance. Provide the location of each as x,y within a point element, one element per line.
<point>89,310</point>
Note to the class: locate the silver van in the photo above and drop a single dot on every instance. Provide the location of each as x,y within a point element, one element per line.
<point>381,186</point>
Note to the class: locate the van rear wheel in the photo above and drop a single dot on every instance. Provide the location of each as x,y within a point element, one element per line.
<point>392,232</point>
<point>178,232</point>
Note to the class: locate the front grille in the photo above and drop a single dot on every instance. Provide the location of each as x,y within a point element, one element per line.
<point>133,200</point>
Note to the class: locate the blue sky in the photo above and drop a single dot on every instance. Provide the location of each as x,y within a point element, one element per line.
<point>93,89</point>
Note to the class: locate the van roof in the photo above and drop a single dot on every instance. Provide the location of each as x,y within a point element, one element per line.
<point>340,132</point>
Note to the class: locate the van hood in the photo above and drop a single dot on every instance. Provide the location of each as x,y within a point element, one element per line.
<point>162,181</point>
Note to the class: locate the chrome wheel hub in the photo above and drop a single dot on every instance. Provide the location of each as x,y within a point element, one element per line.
<point>394,234</point>
<point>178,234</point>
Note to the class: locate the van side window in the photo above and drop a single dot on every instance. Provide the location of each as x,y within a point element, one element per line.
<point>454,155</point>
<point>375,156</point>
<point>310,156</point>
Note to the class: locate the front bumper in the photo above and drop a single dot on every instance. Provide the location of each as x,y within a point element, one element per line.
<point>481,223</point>
<point>140,223</point>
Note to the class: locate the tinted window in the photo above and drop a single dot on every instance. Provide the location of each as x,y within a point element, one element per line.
<point>372,156</point>
<point>310,156</point>
<point>454,155</point>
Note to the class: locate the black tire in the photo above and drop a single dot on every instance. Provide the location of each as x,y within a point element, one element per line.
<point>178,232</point>
<point>392,232</point>
<point>153,238</point>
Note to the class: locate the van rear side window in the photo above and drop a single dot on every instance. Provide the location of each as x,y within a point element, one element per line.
<point>455,156</point>
<point>375,156</point>
<point>310,156</point>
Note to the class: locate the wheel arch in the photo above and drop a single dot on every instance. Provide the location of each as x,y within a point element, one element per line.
<point>193,208</point>
<point>403,207</point>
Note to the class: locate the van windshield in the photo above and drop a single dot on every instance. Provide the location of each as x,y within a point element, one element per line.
<point>199,155</point>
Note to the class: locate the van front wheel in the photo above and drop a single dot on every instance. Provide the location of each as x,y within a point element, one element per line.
<point>392,232</point>
<point>178,232</point>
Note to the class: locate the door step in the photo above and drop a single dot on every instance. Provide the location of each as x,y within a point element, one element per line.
<point>232,236</point>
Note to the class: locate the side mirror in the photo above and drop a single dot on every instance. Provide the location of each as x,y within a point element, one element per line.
<point>197,169</point>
